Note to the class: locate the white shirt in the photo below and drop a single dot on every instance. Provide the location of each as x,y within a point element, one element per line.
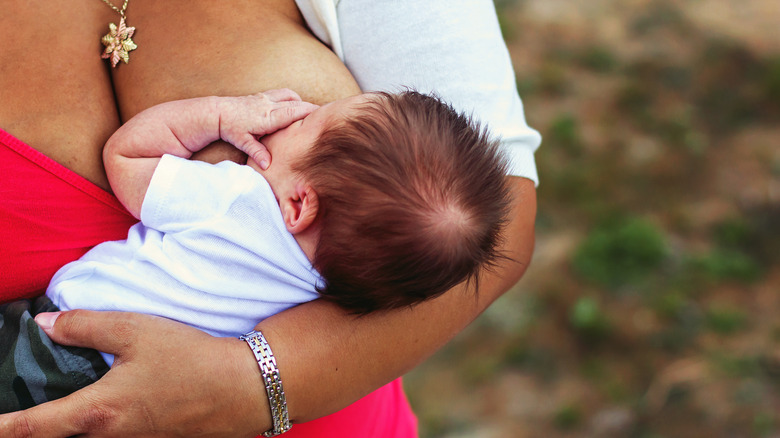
<point>211,251</point>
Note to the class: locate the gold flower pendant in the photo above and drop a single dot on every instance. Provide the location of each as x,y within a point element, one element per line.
<point>118,43</point>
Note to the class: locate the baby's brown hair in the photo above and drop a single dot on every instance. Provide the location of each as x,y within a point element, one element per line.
<point>412,201</point>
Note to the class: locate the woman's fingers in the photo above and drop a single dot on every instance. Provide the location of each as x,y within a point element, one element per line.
<point>65,417</point>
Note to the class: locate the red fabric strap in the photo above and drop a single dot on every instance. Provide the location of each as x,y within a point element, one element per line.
<point>50,216</point>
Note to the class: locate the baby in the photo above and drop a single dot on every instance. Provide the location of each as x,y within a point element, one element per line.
<point>373,202</point>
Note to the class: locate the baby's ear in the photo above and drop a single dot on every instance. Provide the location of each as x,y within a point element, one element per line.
<point>300,211</point>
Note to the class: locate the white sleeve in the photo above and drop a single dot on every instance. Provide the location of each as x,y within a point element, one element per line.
<point>451,47</point>
<point>184,192</point>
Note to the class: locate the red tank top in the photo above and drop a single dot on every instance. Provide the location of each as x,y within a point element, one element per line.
<point>51,216</point>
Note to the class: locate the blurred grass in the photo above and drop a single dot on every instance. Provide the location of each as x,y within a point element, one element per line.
<point>650,309</point>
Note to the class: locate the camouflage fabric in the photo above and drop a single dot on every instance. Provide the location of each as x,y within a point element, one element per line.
<point>33,369</point>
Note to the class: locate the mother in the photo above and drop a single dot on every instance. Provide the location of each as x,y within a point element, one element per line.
<point>58,97</point>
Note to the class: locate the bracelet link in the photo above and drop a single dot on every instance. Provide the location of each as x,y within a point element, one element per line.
<point>272,381</point>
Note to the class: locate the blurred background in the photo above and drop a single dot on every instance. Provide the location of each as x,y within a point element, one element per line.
<point>652,306</point>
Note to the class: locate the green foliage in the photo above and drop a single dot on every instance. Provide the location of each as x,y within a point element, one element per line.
<point>635,99</point>
<point>616,390</point>
<point>679,394</point>
<point>567,417</point>
<point>594,369</point>
<point>775,334</point>
<point>679,131</point>
<point>721,264</point>
<point>502,5</point>
<point>589,320</point>
<point>526,85</point>
<point>480,370</point>
<point>620,254</point>
<point>659,15</point>
<point>770,81</point>
<point>682,319</point>
<point>598,58</point>
<point>564,132</point>
<point>552,78</point>
<point>675,77</point>
<point>539,361</point>
<point>733,233</point>
<point>734,85</point>
<point>748,392</point>
<point>648,83</point>
<point>752,236</point>
<point>764,424</point>
<point>508,30</point>
<point>669,304</point>
<point>727,85</point>
<point>725,320</point>
<point>764,242</point>
<point>673,339</point>
<point>737,366</point>
<point>571,185</point>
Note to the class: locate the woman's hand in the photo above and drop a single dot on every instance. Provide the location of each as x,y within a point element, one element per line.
<point>159,384</point>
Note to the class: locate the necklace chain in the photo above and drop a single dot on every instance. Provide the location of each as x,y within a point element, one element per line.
<point>120,11</point>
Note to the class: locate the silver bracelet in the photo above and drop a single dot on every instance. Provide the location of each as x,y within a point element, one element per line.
<point>273,382</point>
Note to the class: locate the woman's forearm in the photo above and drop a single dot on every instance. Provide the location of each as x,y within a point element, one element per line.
<point>329,359</point>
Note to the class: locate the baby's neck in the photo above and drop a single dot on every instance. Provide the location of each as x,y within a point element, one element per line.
<point>307,240</point>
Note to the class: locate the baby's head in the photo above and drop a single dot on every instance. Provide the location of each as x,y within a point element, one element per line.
<point>406,197</point>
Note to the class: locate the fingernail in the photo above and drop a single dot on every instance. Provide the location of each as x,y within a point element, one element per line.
<point>46,320</point>
<point>264,164</point>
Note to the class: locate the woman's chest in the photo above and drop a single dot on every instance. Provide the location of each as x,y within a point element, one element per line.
<point>188,49</point>
<point>62,99</point>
